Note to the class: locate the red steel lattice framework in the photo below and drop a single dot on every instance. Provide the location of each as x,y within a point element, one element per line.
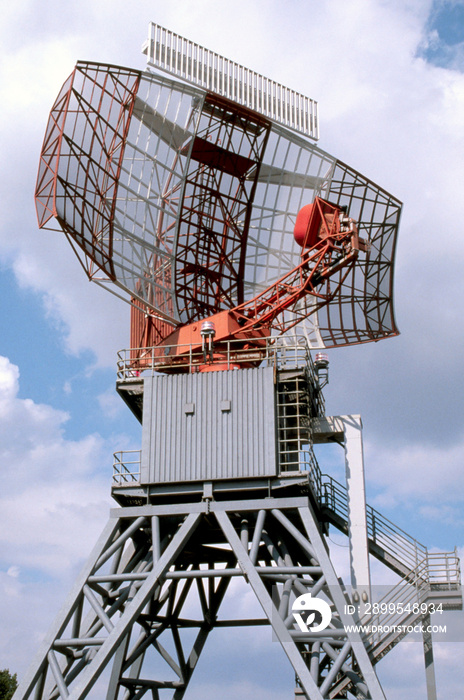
<point>225,156</point>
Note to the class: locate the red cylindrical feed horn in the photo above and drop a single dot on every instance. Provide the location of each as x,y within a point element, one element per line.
<point>307,226</point>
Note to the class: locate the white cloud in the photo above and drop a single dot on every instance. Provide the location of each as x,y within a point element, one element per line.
<point>48,477</point>
<point>9,375</point>
<point>13,571</point>
<point>53,503</point>
<point>110,403</point>
<point>418,472</point>
<point>87,316</point>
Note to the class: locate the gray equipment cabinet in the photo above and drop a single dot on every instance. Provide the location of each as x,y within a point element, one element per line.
<point>208,426</point>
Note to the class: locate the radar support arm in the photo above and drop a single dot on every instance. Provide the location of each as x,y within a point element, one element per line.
<point>335,245</point>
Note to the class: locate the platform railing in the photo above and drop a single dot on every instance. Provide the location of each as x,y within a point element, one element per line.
<point>444,570</point>
<point>126,467</point>
<point>279,352</point>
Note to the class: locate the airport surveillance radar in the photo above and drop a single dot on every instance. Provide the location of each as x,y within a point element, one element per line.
<point>196,191</point>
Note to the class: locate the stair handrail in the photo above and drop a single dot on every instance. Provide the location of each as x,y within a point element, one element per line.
<point>405,602</point>
<point>381,531</point>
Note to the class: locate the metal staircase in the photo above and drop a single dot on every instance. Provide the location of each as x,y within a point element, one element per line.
<point>426,577</point>
<point>390,544</point>
<point>387,542</point>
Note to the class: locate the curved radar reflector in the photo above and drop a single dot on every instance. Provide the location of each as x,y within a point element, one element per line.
<point>185,203</point>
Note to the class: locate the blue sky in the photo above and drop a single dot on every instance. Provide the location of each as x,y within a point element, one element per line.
<point>388,76</point>
<point>445,35</point>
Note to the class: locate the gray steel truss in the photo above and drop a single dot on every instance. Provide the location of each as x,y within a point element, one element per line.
<point>130,612</point>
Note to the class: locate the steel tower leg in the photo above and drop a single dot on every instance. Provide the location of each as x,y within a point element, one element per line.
<point>149,583</point>
<point>428,658</point>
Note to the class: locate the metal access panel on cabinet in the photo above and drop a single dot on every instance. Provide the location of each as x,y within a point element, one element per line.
<point>209,426</point>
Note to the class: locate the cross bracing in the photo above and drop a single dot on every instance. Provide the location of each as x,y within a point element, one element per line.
<point>151,594</point>
<point>121,614</point>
